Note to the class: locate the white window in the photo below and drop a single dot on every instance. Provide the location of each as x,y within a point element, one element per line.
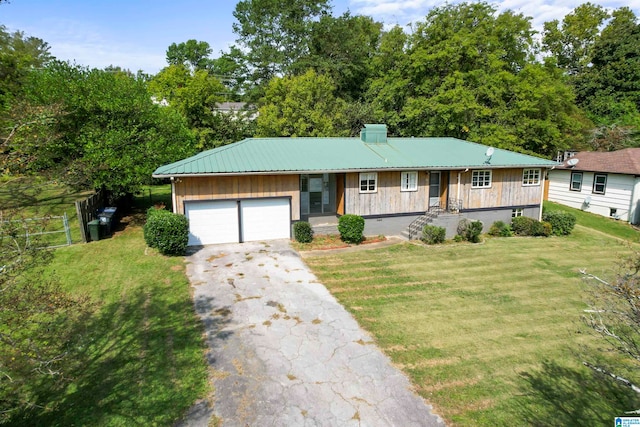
<point>516,212</point>
<point>531,177</point>
<point>599,183</point>
<point>481,179</point>
<point>576,181</point>
<point>368,182</point>
<point>409,181</point>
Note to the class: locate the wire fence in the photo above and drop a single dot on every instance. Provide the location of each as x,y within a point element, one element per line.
<point>46,232</point>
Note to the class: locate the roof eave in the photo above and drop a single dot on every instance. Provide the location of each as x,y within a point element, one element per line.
<point>319,171</point>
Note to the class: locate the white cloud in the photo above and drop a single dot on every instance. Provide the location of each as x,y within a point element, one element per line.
<point>404,12</point>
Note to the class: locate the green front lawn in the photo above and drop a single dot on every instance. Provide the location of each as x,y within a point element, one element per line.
<point>145,364</point>
<point>488,333</point>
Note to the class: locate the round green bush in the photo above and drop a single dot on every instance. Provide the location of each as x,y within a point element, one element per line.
<point>562,223</point>
<point>522,225</point>
<point>470,230</point>
<point>525,226</point>
<point>150,231</point>
<point>500,229</point>
<point>432,234</point>
<point>166,231</point>
<point>303,232</point>
<point>351,228</point>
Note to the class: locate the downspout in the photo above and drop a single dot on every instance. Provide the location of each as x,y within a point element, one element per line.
<point>544,178</point>
<point>173,195</point>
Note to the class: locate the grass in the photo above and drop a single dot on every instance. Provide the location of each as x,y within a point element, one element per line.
<point>620,229</point>
<point>490,334</point>
<point>145,365</point>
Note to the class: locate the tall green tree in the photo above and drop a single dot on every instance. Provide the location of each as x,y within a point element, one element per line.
<point>343,48</point>
<point>303,105</point>
<point>390,82</point>
<point>610,89</point>
<point>18,55</point>
<point>104,132</point>
<point>196,97</point>
<point>469,72</point>
<point>571,43</point>
<point>273,34</point>
<point>192,53</point>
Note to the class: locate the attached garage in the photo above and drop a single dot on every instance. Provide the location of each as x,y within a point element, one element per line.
<point>233,221</point>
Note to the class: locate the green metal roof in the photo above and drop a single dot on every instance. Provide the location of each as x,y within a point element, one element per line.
<point>291,155</point>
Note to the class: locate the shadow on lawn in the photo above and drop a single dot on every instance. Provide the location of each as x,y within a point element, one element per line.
<point>561,396</point>
<point>140,368</point>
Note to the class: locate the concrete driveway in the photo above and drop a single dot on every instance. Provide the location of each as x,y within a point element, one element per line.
<point>282,350</point>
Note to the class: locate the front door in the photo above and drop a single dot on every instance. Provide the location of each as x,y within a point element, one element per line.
<point>317,194</point>
<point>434,189</point>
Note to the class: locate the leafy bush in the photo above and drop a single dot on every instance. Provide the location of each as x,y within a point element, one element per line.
<point>542,229</point>
<point>525,226</point>
<point>351,228</point>
<point>470,230</point>
<point>432,234</point>
<point>166,231</point>
<point>458,238</point>
<point>463,226</point>
<point>303,232</point>
<point>562,223</point>
<point>522,225</point>
<point>500,229</point>
<point>474,231</point>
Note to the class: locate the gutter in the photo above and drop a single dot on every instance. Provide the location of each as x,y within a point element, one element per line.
<point>319,171</point>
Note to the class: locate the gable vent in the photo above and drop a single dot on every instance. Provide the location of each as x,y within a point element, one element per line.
<point>374,134</point>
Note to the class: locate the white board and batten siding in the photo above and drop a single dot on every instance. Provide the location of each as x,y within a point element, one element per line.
<point>621,193</point>
<point>233,221</point>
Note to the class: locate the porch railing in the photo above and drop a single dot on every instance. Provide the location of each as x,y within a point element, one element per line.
<point>452,206</point>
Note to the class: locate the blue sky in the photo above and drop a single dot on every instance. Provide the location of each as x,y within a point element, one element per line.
<point>135,34</point>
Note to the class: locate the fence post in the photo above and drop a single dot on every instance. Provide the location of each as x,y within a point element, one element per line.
<point>65,221</point>
<point>82,221</point>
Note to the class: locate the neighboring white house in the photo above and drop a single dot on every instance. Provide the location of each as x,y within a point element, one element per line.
<point>604,183</point>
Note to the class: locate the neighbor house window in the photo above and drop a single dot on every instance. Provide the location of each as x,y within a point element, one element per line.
<point>368,182</point>
<point>516,212</point>
<point>599,183</point>
<point>576,181</point>
<point>481,179</point>
<point>613,213</point>
<point>531,177</point>
<point>409,181</point>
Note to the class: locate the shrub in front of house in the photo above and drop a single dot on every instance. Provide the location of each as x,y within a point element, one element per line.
<point>525,226</point>
<point>500,229</point>
<point>432,234</point>
<point>166,231</point>
<point>562,223</point>
<point>522,225</point>
<point>303,232</point>
<point>474,231</point>
<point>351,228</point>
<point>470,230</point>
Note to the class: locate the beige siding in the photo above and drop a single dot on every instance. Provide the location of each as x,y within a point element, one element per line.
<point>238,187</point>
<point>506,190</point>
<point>388,199</point>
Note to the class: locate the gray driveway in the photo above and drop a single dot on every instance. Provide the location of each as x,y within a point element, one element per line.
<point>283,352</point>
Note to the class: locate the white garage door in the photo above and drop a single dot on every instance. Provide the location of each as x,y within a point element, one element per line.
<point>265,219</point>
<point>212,222</point>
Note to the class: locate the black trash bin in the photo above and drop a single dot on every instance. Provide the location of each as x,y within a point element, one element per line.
<point>107,218</point>
<point>94,230</point>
